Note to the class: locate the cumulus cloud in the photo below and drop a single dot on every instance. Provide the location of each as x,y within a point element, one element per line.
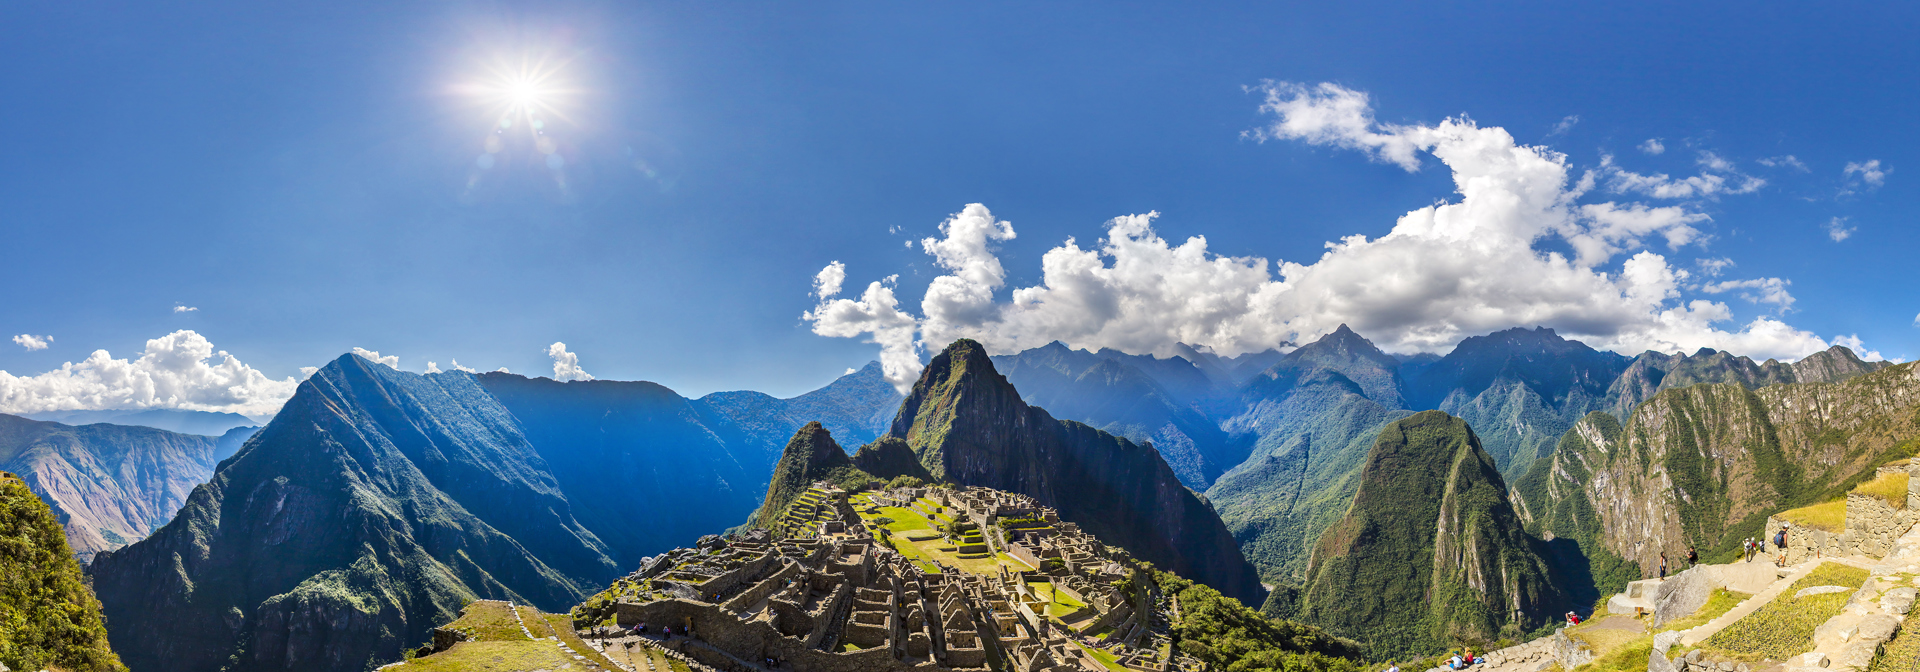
<point>392,361</point>
<point>1444,272</point>
<point>180,370</point>
<point>432,367</point>
<point>458,367</point>
<point>850,371</point>
<point>1718,176</point>
<point>566,365</point>
<point>1788,161</point>
<point>502,370</point>
<point>1566,124</point>
<point>827,282</point>
<point>184,309</point>
<point>32,342</point>
<point>1653,146</point>
<point>1838,230</point>
<point>1863,176</point>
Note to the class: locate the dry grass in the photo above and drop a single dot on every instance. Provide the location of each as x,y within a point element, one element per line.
<point>1830,516</point>
<point>1785,626</point>
<point>1720,602</point>
<point>1891,488</point>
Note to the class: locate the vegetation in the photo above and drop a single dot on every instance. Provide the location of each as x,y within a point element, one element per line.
<point>1891,488</point>
<point>812,455</point>
<point>1431,553</point>
<point>1718,604</point>
<point>1228,636</point>
<point>48,615</point>
<point>495,642</point>
<point>1900,655</point>
<point>1785,626</point>
<point>1829,516</point>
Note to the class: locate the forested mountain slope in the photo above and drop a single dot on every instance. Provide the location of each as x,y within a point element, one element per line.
<point>48,615</point>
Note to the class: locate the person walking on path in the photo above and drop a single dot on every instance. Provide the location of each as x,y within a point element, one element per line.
<point>1663,566</point>
<point>1780,541</point>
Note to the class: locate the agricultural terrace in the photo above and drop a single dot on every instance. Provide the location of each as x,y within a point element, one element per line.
<point>500,637</point>
<point>915,531</point>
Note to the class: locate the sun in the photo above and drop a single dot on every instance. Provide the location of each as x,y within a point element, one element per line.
<point>524,93</point>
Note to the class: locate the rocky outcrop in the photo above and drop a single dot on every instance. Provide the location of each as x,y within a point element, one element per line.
<point>889,458</point>
<point>110,485</point>
<point>1519,388</point>
<point>1430,551</point>
<point>1652,372</point>
<point>812,455</point>
<point>967,424</point>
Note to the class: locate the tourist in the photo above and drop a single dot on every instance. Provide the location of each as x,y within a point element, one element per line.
<point>1393,667</point>
<point>1780,540</point>
<point>1663,566</point>
<point>1455,663</point>
<point>1693,557</point>
<point>1573,618</point>
<point>1469,658</point>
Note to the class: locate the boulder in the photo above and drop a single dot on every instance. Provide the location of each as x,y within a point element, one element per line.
<point>1899,600</point>
<point>1680,596</point>
<point>1821,590</point>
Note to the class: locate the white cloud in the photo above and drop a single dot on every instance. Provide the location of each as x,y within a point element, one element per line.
<point>1330,114</point>
<point>1713,267</point>
<point>1444,272</point>
<point>184,309</point>
<point>1757,290</point>
<point>308,371</point>
<point>1566,124</point>
<point>32,342</point>
<point>392,361</point>
<point>180,370</point>
<point>1653,146</point>
<point>850,371</point>
<point>432,367</point>
<point>1718,177</point>
<point>827,282</point>
<point>876,312</point>
<point>458,367</point>
<point>1838,230</point>
<point>502,370</point>
<point>566,365</point>
<point>1863,176</point>
<point>1788,161</point>
<point>1853,343</point>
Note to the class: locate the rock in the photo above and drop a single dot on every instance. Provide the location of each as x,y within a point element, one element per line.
<point>1876,628</point>
<point>1815,659</point>
<point>1657,659</point>
<point>1726,666</point>
<point>1694,656</point>
<point>1570,653</point>
<point>1821,590</point>
<point>1899,600</point>
<point>1859,655</point>
<point>1664,642</point>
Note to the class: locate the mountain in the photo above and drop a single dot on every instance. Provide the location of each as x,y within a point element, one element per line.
<point>1115,392</point>
<point>889,458</point>
<point>171,419</point>
<point>857,407</point>
<point>1430,552</point>
<point>1652,372</point>
<point>48,615</point>
<point>1521,389</point>
<point>968,425</point>
<point>647,469</point>
<point>811,456</point>
<point>1704,465</point>
<point>372,506</point>
<point>1311,417</point>
<point>110,485</point>
<point>1231,372</point>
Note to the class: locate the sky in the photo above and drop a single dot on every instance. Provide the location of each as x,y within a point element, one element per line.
<point>287,184</point>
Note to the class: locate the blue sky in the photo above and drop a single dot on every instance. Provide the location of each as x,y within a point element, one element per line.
<point>306,179</point>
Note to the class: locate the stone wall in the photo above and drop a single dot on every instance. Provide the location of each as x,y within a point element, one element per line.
<point>1872,527</point>
<point>1913,484</point>
<point>754,641</point>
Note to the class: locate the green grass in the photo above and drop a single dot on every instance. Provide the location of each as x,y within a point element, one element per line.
<point>488,622</point>
<point>1891,488</point>
<point>518,656</point>
<point>1785,627</point>
<point>1829,516</point>
<point>1107,660</point>
<point>1720,602</point>
<point>1831,574</point>
<point>1900,655</point>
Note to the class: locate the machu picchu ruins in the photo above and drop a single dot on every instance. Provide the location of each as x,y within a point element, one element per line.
<point>902,579</point>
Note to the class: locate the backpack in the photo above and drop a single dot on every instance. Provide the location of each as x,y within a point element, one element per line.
<point>1780,538</point>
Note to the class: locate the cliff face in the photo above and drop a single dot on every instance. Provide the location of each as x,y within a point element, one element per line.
<point>1704,465</point>
<point>367,511</point>
<point>110,485</point>
<point>1520,389</point>
<point>48,615</point>
<point>1652,372</point>
<point>967,424</point>
<point>890,457</point>
<point>1430,551</point>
